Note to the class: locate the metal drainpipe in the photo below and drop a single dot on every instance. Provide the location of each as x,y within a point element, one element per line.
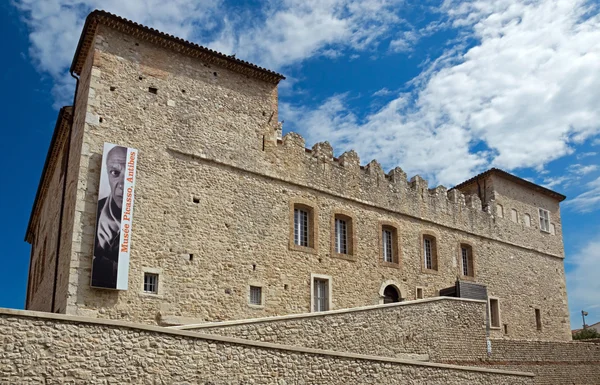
<point>62,203</point>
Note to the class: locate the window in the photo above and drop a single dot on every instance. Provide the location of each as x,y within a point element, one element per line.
<point>466,258</point>
<point>341,236</point>
<point>494,312</point>
<point>388,244</point>
<point>499,211</point>
<point>150,283</point>
<point>429,253</point>
<point>419,293</point>
<point>527,220</point>
<point>514,216</point>
<point>538,319</point>
<point>256,295</point>
<point>544,220</point>
<point>301,227</point>
<point>321,297</point>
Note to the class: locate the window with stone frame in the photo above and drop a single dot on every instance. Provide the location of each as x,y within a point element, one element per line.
<point>544,220</point>
<point>256,295</point>
<point>341,235</point>
<point>467,265</point>
<point>430,259</point>
<point>389,249</point>
<point>320,294</point>
<point>499,210</point>
<point>527,220</point>
<point>303,231</point>
<point>150,283</point>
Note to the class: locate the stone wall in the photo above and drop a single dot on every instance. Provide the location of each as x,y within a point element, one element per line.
<point>552,362</point>
<point>57,349</point>
<point>406,330</point>
<point>213,195</point>
<point>426,329</point>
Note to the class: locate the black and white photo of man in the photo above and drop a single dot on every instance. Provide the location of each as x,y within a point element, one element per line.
<point>108,219</point>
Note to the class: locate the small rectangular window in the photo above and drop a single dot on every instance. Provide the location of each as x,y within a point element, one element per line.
<point>514,216</point>
<point>301,227</point>
<point>429,253</point>
<point>419,293</point>
<point>505,328</point>
<point>341,236</point>
<point>466,256</point>
<point>465,260</point>
<point>544,220</point>
<point>538,319</point>
<point>150,283</point>
<point>388,245</point>
<point>255,295</point>
<point>321,294</point>
<point>494,313</point>
<point>527,220</point>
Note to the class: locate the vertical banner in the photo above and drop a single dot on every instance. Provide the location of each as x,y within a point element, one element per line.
<point>114,215</point>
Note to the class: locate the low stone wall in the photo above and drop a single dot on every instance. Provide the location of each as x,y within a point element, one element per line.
<point>438,328</point>
<point>552,362</point>
<point>58,349</point>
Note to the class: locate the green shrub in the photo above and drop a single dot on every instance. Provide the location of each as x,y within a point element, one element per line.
<point>585,334</point>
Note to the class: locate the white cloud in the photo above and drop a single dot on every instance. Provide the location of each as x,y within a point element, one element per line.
<point>588,201</point>
<point>586,154</point>
<point>382,92</point>
<point>580,169</point>
<point>299,29</point>
<point>276,35</point>
<point>526,93</point>
<point>55,26</point>
<point>583,284</point>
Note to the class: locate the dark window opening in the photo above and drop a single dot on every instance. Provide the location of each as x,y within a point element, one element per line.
<point>538,319</point>
<point>153,90</point>
<point>196,200</point>
<point>391,295</point>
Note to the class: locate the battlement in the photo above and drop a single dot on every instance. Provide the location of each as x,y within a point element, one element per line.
<point>369,184</point>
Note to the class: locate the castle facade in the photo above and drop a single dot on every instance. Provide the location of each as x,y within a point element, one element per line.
<point>228,219</point>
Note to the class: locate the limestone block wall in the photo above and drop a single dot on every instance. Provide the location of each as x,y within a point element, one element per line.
<point>436,329</point>
<point>57,349</point>
<point>213,195</point>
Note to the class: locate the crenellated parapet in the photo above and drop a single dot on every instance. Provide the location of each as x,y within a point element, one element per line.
<point>344,176</point>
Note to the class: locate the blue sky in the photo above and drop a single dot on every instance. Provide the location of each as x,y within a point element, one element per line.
<point>444,89</point>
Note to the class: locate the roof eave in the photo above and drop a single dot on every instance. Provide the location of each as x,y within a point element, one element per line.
<point>98,16</point>
<point>496,171</point>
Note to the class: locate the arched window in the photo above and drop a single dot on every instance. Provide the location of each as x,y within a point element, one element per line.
<point>391,294</point>
<point>499,210</point>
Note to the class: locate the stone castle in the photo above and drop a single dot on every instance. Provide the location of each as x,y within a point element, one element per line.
<point>242,234</point>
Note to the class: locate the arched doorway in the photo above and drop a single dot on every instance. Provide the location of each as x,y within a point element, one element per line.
<point>391,294</point>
